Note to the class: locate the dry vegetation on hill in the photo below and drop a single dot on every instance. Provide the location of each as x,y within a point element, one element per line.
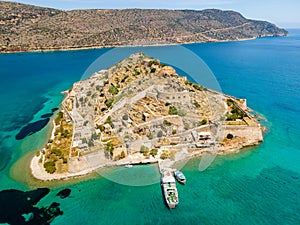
<point>26,27</point>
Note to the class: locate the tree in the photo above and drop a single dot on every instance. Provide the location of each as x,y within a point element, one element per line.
<point>122,155</point>
<point>59,117</point>
<point>153,70</point>
<point>50,167</point>
<point>109,148</point>
<point>95,136</point>
<point>153,62</point>
<point>167,123</point>
<point>173,110</point>
<point>91,143</point>
<point>203,122</point>
<point>113,90</point>
<point>229,136</point>
<point>153,152</point>
<point>57,152</point>
<point>164,155</point>
<point>160,134</point>
<point>144,150</point>
<point>109,121</point>
<point>109,102</point>
<point>196,104</point>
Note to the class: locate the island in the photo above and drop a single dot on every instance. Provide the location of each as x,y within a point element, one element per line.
<point>32,28</point>
<point>141,111</point>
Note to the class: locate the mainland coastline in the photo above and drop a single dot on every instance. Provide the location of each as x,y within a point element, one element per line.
<point>32,28</point>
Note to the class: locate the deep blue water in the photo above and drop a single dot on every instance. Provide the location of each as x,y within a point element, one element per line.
<point>257,186</point>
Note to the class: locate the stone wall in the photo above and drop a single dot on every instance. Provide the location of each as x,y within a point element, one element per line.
<point>252,133</point>
<point>178,97</point>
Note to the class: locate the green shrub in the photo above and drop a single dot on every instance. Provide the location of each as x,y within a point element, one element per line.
<point>153,152</point>
<point>229,136</point>
<point>58,117</point>
<point>144,150</point>
<point>203,122</point>
<point>95,136</point>
<point>187,82</point>
<point>159,134</point>
<point>91,143</point>
<point>65,160</point>
<point>167,123</point>
<point>50,167</point>
<point>164,155</point>
<point>109,147</point>
<point>153,70</point>
<point>109,102</point>
<point>150,136</point>
<point>122,155</point>
<point>153,62</point>
<point>198,87</point>
<point>196,104</point>
<point>56,151</point>
<point>109,121</point>
<point>113,90</point>
<point>173,110</point>
<point>84,141</point>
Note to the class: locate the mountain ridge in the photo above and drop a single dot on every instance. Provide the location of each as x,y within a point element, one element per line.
<point>30,28</point>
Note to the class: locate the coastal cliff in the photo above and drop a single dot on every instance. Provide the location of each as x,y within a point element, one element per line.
<point>31,28</point>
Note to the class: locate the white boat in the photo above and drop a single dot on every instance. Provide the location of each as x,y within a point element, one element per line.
<point>128,166</point>
<point>180,177</point>
<point>168,185</point>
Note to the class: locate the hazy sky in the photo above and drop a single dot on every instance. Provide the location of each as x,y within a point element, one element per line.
<point>282,13</point>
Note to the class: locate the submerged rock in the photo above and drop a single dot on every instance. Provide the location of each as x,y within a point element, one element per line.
<point>19,207</point>
<point>64,193</point>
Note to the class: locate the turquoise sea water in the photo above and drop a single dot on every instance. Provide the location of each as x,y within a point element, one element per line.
<point>257,186</point>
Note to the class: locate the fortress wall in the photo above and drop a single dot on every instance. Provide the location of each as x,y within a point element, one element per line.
<point>252,133</point>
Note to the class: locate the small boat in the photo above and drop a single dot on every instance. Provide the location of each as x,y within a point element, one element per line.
<point>128,166</point>
<point>168,185</point>
<point>180,177</point>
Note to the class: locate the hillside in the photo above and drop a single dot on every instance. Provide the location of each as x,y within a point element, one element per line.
<point>25,27</point>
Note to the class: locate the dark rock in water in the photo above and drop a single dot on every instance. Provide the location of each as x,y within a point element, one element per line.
<point>32,128</point>
<point>64,193</point>
<point>6,137</point>
<point>47,115</point>
<point>18,207</point>
<point>54,109</point>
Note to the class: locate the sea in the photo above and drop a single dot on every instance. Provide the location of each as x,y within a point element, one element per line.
<point>258,185</point>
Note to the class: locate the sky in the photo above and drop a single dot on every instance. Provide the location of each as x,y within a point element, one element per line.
<point>284,13</point>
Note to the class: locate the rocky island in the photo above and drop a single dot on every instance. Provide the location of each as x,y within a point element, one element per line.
<point>141,111</point>
<point>32,28</point>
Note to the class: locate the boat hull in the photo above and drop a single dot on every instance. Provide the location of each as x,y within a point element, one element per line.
<point>168,185</point>
<point>180,177</point>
